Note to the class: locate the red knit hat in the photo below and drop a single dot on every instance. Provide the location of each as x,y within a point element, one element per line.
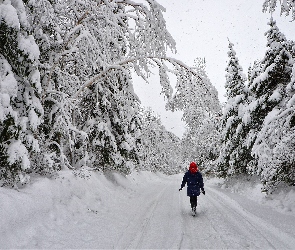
<point>193,168</point>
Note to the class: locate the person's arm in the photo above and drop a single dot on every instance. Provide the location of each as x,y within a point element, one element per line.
<point>202,184</point>
<point>184,180</point>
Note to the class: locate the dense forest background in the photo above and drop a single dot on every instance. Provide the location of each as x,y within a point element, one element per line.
<point>67,98</point>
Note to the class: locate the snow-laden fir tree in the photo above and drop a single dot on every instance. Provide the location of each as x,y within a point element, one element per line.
<point>269,87</point>
<point>275,142</point>
<point>159,148</point>
<point>277,145</point>
<point>20,89</point>
<point>56,26</point>
<point>234,155</point>
<point>109,106</point>
<point>112,122</point>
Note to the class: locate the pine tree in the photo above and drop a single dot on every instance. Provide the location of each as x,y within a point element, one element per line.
<point>202,143</point>
<point>112,122</point>
<point>53,25</point>
<point>274,145</point>
<point>20,89</point>
<point>268,88</point>
<point>234,155</point>
<point>159,148</point>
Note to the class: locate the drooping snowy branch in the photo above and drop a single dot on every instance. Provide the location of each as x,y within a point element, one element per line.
<point>287,7</point>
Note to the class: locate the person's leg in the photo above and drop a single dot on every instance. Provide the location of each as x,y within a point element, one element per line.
<point>193,202</point>
<point>191,199</point>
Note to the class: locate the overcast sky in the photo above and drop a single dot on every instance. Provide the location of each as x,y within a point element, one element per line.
<point>201,28</point>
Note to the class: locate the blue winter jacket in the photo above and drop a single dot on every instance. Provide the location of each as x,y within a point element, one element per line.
<point>194,183</point>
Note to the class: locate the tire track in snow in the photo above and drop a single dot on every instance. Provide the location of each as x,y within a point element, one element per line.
<point>182,211</point>
<point>144,208</point>
<point>137,243</point>
<point>260,229</point>
<point>158,223</point>
<point>231,229</point>
<point>198,233</point>
<point>218,235</point>
<point>186,235</point>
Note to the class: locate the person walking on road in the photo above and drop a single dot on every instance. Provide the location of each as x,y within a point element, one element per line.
<point>194,180</point>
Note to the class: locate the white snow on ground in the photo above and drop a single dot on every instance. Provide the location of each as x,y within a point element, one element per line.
<point>142,210</point>
<point>282,200</point>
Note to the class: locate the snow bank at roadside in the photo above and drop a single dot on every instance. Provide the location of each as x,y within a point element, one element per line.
<point>283,200</point>
<point>46,204</point>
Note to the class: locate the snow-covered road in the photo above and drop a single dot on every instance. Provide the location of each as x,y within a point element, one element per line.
<point>141,211</point>
<point>161,218</point>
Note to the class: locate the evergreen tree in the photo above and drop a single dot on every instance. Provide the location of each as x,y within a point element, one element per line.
<point>111,120</point>
<point>159,148</point>
<point>269,87</point>
<point>274,145</point>
<point>202,143</point>
<point>20,89</point>
<point>56,27</point>
<point>234,155</point>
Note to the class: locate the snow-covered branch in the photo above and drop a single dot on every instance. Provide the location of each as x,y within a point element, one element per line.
<point>287,7</point>
<point>124,64</point>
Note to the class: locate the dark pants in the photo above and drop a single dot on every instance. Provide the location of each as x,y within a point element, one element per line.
<point>193,201</point>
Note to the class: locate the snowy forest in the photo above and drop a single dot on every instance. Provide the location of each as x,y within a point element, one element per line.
<point>67,98</point>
